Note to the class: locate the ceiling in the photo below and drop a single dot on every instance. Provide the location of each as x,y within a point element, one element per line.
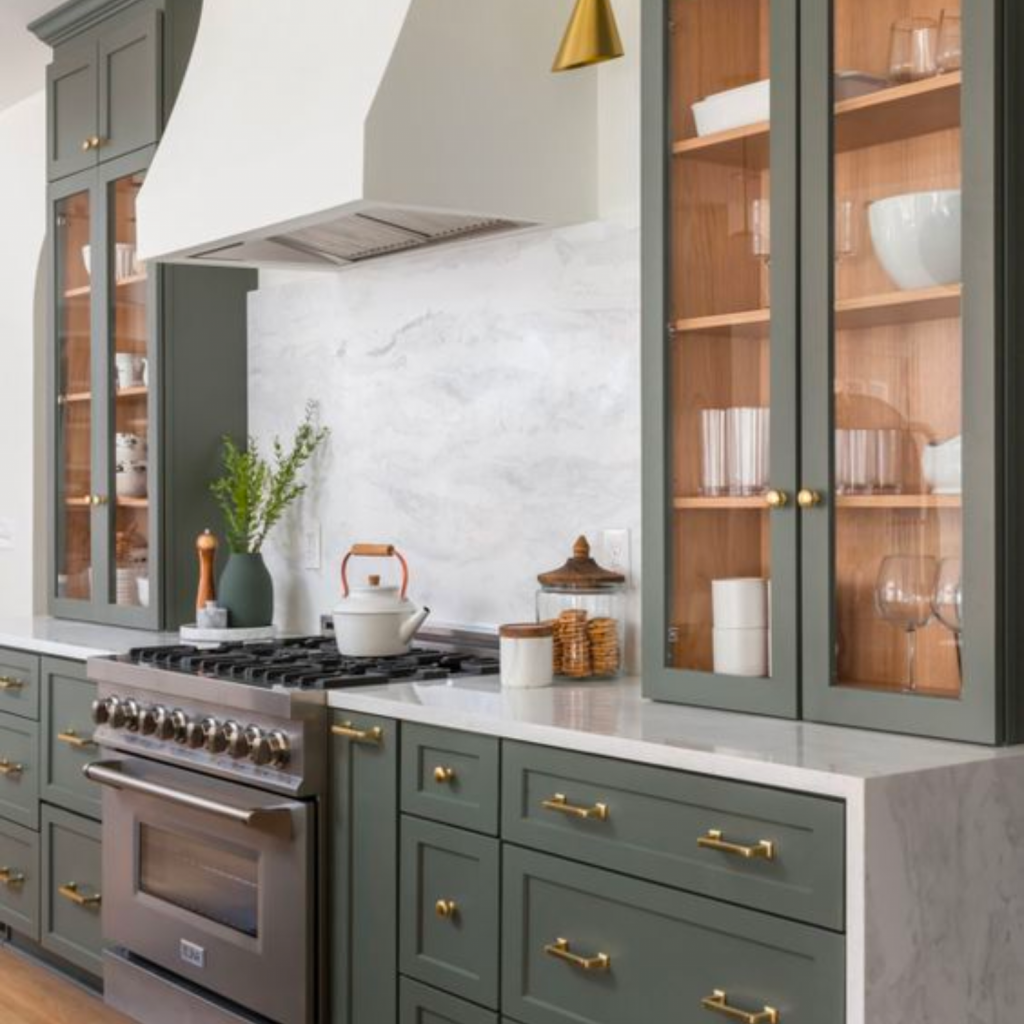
<point>23,58</point>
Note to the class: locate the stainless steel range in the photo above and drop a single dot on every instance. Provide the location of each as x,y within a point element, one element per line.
<point>214,770</point>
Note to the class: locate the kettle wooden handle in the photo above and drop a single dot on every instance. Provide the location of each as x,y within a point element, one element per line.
<point>374,551</point>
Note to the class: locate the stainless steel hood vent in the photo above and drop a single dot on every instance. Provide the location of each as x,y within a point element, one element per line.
<point>323,134</point>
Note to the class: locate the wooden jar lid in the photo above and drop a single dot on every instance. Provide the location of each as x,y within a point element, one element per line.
<point>581,571</point>
<point>527,630</point>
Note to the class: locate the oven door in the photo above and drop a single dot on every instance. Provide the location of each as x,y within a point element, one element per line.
<point>213,881</point>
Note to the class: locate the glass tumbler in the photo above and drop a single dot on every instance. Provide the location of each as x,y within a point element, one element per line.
<point>949,53</point>
<point>714,479</point>
<point>912,50</point>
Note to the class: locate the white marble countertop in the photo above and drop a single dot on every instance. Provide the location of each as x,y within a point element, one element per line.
<point>612,719</point>
<point>76,641</point>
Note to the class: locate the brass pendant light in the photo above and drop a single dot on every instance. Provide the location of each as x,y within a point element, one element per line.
<point>592,37</point>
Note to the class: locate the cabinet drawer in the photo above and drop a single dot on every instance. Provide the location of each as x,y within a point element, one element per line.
<point>647,822</point>
<point>19,879</point>
<point>450,777</point>
<point>71,873</point>
<point>19,684</point>
<point>67,731</point>
<point>422,1005</point>
<point>19,770</point>
<point>448,916</point>
<point>588,946</point>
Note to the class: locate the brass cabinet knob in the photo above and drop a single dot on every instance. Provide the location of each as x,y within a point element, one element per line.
<point>92,142</point>
<point>776,499</point>
<point>443,774</point>
<point>808,498</point>
<point>446,909</point>
<point>97,500</point>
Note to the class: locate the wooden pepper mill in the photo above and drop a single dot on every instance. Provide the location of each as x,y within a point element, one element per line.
<point>206,546</point>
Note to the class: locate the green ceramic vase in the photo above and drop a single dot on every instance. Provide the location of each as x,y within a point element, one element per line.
<point>247,591</point>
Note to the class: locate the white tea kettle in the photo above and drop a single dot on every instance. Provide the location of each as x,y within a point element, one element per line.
<point>374,621</point>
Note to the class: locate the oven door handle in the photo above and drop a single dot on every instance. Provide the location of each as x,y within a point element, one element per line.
<point>112,774</point>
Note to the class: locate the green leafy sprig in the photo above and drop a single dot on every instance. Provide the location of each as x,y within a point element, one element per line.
<point>254,493</point>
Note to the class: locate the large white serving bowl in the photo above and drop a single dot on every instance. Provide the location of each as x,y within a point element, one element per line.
<point>735,108</point>
<point>917,237</point>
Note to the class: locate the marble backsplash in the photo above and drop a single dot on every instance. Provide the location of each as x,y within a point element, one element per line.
<point>484,404</point>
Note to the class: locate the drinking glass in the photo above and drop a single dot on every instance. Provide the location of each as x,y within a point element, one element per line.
<point>949,51</point>
<point>887,462</point>
<point>948,602</point>
<point>903,597</point>
<point>912,51</point>
<point>761,242</point>
<point>714,480</point>
<point>846,230</point>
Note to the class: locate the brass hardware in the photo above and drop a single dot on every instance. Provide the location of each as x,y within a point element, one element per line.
<point>808,498</point>
<point>560,804</point>
<point>10,768</point>
<point>96,500</point>
<point>714,840</point>
<point>11,878</point>
<point>444,774</point>
<point>446,909</point>
<point>349,732</point>
<point>776,499</point>
<point>718,1002</point>
<point>72,739</point>
<point>592,37</point>
<point>10,683</point>
<point>92,142</point>
<point>72,895</point>
<point>560,950</point>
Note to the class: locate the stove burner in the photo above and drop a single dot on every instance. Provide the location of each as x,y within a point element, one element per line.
<point>310,663</point>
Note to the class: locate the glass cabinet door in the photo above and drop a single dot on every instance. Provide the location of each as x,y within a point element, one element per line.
<point>908,237</point>
<point>729,362</point>
<point>74,507</point>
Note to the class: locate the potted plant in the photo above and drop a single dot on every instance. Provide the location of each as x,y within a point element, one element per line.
<point>254,493</point>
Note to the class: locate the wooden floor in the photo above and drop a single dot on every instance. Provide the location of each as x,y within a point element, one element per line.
<point>34,995</point>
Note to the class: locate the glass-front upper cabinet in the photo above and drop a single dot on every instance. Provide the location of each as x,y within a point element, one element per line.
<point>901,624</point>
<point>728,355</point>
<point>102,408</point>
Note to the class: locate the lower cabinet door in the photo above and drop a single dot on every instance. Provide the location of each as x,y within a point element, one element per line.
<point>71,903</point>
<point>420,1004</point>
<point>67,737</point>
<point>19,879</point>
<point>19,770</point>
<point>449,905</point>
<point>592,947</point>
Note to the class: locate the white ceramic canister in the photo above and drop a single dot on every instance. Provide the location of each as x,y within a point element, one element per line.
<point>527,655</point>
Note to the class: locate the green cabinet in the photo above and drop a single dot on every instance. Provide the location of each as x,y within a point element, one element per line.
<point>363,841</point>
<point>19,879</point>
<point>829,502</point>
<point>420,1004</point>
<point>19,770</point>
<point>19,684</point>
<point>147,367</point>
<point>66,737</point>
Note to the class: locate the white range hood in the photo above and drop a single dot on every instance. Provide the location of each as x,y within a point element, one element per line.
<point>321,133</point>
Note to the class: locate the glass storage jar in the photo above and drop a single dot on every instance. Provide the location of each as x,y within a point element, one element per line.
<point>586,606</point>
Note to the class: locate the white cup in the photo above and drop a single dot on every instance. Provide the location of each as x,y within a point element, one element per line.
<point>739,603</point>
<point>741,652</point>
<point>527,662</point>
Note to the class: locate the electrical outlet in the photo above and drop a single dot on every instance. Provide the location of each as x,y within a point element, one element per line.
<point>615,551</point>
<point>311,557</point>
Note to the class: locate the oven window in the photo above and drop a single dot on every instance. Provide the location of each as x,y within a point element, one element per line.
<point>218,882</point>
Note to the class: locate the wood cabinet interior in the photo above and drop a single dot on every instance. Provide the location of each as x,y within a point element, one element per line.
<point>897,354</point>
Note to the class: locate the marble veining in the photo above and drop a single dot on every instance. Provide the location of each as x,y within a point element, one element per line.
<point>484,403</point>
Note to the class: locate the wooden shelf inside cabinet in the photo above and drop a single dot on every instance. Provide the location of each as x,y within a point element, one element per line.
<point>898,308</point>
<point>78,502</point>
<point>900,112</point>
<point>74,398</point>
<point>899,501</point>
<point>86,289</point>
<point>135,392</point>
<point>746,146</point>
<point>748,321</point>
<point>133,502</point>
<point>753,503</point>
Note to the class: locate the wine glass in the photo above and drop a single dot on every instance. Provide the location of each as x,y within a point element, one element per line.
<point>903,597</point>
<point>948,602</point>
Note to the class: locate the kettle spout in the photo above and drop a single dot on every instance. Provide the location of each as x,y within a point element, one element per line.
<point>412,624</point>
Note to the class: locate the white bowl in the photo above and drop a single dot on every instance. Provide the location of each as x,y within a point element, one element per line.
<point>87,258</point>
<point>131,480</point>
<point>736,108</point>
<point>917,238</point>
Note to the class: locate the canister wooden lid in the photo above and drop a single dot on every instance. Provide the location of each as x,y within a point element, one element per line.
<point>581,571</point>
<point>527,630</point>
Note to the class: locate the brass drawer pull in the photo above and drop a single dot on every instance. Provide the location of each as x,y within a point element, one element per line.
<point>446,909</point>
<point>714,840</point>
<point>72,895</point>
<point>10,767</point>
<point>443,774</point>
<point>559,803</point>
<point>10,683</point>
<point>560,950</point>
<point>348,731</point>
<point>11,878</point>
<point>72,739</point>
<point>718,1002</point>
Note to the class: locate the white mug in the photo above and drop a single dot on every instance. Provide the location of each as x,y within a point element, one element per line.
<point>739,603</point>
<point>741,652</point>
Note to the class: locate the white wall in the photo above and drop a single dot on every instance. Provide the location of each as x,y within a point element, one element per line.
<point>22,388</point>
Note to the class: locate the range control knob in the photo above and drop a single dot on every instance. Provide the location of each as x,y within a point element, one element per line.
<point>195,735</point>
<point>259,745</point>
<point>148,719</point>
<point>238,741</point>
<point>280,749</point>
<point>213,736</point>
<point>132,711</point>
<point>100,712</point>
<point>115,713</point>
<point>179,725</point>
<point>163,727</point>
